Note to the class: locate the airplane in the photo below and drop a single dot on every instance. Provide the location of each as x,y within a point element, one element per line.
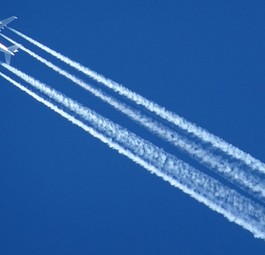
<point>9,51</point>
<point>4,22</point>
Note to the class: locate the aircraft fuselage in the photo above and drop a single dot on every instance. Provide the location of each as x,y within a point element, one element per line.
<point>8,51</point>
<point>4,49</point>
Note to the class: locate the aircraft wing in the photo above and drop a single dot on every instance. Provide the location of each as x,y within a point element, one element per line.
<point>4,22</point>
<point>8,58</point>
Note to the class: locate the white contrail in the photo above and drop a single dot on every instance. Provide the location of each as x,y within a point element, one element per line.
<point>246,181</point>
<point>180,122</point>
<point>228,202</point>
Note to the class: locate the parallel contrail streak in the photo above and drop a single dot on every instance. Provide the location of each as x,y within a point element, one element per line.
<point>231,172</point>
<point>180,122</point>
<point>216,196</point>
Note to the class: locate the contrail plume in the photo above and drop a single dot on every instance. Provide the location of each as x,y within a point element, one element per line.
<point>171,117</point>
<point>231,172</point>
<point>212,193</point>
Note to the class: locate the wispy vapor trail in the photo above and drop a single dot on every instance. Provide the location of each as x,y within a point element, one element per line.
<point>216,196</point>
<point>231,172</point>
<point>171,117</point>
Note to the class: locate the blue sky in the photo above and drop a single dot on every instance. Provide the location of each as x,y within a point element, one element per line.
<point>62,191</point>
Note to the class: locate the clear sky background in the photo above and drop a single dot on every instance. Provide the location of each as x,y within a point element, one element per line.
<point>64,192</point>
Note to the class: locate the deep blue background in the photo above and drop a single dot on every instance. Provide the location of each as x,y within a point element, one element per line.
<point>62,191</point>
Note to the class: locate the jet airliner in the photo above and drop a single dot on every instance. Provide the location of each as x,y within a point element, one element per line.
<point>8,51</point>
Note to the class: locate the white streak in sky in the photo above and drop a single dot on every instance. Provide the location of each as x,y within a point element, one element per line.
<point>216,196</point>
<point>231,172</point>
<point>171,117</point>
